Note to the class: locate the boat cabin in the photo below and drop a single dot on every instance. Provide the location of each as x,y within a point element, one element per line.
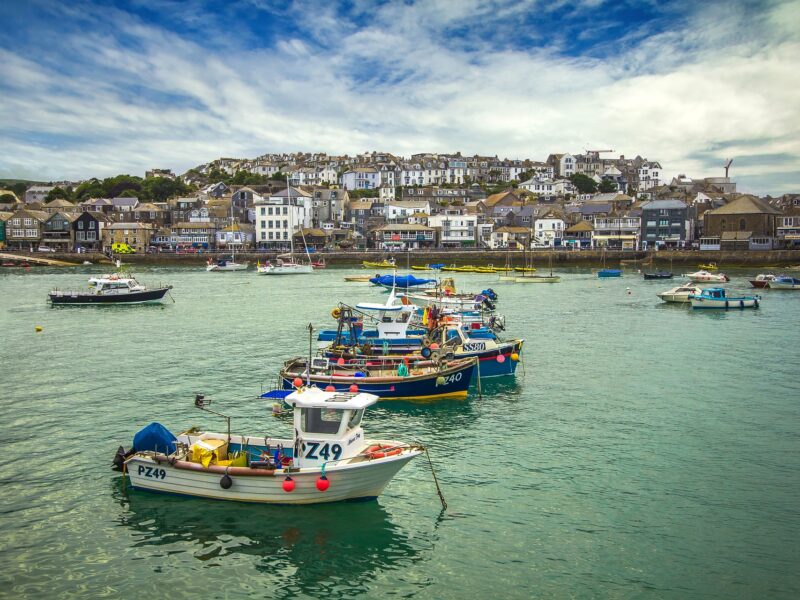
<point>115,285</point>
<point>715,293</point>
<point>392,319</point>
<point>328,423</point>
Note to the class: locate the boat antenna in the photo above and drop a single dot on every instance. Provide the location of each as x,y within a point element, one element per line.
<point>201,402</point>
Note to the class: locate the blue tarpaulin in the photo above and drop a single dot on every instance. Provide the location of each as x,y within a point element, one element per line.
<point>401,281</point>
<point>154,437</point>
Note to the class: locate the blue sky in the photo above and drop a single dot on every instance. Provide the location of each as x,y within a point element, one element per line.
<point>100,88</point>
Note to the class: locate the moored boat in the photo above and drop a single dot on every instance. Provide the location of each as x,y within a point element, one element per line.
<point>328,460</point>
<point>448,379</point>
<point>785,283</point>
<point>705,276</point>
<point>285,266</point>
<point>716,298</point>
<point>680,294</point>
<point>762,280</point>
<point>111,289</point>
<point>658,275</point>
<point>226,264</point>
<point>361,278</point>
<point>708,266</point>
<point>609,273</point>
<point>384,264</point>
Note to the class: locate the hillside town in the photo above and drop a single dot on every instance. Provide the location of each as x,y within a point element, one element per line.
<point>384,202</point>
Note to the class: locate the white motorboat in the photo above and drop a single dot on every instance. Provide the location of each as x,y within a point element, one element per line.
<point>706,276</point>
<point>782,282</point>
<point>716,298</point>
<point>328,460</point>
<point>680,294</point>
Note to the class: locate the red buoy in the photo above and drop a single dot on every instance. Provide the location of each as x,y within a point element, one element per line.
<point>340,362</point>
<point>434,346</point>
<point>354,389</point>
<point>323,483</point>
<point>297,382</point>
<point>288,484</point>
<point>330,388</point>
<point>501,358</point>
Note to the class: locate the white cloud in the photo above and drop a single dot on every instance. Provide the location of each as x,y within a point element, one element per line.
<point>147,98</point>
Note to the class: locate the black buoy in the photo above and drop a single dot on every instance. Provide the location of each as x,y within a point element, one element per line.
<point>226,482</point>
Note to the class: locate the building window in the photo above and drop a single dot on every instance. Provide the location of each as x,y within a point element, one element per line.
<point>742,224</point>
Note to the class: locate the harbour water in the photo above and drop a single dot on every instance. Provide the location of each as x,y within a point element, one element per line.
<point>644,451</point>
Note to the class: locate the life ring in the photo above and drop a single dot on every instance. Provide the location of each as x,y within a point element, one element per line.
<point>336,312</point>
<point>379,451</point>
<point>426,342</point>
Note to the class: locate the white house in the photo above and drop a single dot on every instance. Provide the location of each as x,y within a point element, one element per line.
<point>548,231</point>
<point>412,174</point>
<point>400,210</point>
<point>457,228</point>
<point>362,178</point>
<point>281,215</point>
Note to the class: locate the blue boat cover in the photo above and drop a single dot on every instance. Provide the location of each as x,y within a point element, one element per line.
<point>401,281</point>
<point>154,437</point>
<point>277,394</point>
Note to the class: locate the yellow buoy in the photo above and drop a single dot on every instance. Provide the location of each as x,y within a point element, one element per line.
<point>38,329</point>
<point>514,356</point>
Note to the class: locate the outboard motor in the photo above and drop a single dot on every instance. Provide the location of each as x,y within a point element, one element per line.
<point>488,304</point>
<point>119,459</point>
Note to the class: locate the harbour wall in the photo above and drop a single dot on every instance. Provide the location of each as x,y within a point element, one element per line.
<point>540,258</point>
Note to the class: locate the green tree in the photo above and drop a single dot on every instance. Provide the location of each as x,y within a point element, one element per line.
<point>607,186</point>
<point>18,188</point>
<point>89,189</point>
<point>114,186</point>
<point>584,183</point>
<point>159,189</point>
<point>57,193</point>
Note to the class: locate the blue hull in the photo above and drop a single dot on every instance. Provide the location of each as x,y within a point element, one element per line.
<point>609,273</point>
<point>455,386</point>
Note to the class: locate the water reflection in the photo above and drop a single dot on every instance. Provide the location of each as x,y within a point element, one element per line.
<point>336,548</point>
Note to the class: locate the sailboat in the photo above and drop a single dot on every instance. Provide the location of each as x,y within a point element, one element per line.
<point>529,277</point>
<point>285,264</point>
<point>608,272</point>
<point>507,273</point>
<point>227,264</point>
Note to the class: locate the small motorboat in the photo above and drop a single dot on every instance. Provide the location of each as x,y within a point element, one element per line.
<point>329,458</point>
<point>319,264</point>
<point>708,267</point>
<point>680,294</point>
<point>716,298</point>
<point>433,267</point>
<point>609,273</point>
<point>384,264</point>
<point>226,264</point>
<point>658,275</point>
<point>705,276</point>
<point>361,278</point>
<point>111,289</point>
<point>783,282</point>
<point>762,280</point>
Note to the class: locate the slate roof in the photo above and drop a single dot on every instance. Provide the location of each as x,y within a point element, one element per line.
<point>746,205</point>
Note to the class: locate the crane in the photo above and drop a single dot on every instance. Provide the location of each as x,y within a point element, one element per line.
<point>727,166</point>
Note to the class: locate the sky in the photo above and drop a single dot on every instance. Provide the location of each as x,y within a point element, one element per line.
<point>94,89</point>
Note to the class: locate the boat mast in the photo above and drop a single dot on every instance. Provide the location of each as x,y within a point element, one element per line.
<point>291,221</point>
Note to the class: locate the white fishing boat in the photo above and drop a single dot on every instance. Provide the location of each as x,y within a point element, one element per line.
<point>705,276</point>
<point>716,298</point>
<point>329,458</point>
<point>681,293</point>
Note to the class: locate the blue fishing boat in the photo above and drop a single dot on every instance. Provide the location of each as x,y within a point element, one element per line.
<point>429,380</point>
<point>716,298</point>
<point>609,273</point>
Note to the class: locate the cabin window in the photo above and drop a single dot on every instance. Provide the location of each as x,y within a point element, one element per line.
<point>321,420</point>
<point>355,418</point>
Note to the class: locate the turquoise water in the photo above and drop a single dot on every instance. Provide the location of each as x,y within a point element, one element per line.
<point>644,451</point>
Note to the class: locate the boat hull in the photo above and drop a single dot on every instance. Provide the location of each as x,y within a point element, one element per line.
<point>662,275</point>
<point>724,304</point>
<point>759,283</point>
<point>228,267</point>
<point>451,383</point>
<point>676,298</point>
<point>609,273</point>
<point>363,480</point>
<point>286,270</point>
<point>538,279</point>
<point>155,295</point>
<point>787,284</point>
